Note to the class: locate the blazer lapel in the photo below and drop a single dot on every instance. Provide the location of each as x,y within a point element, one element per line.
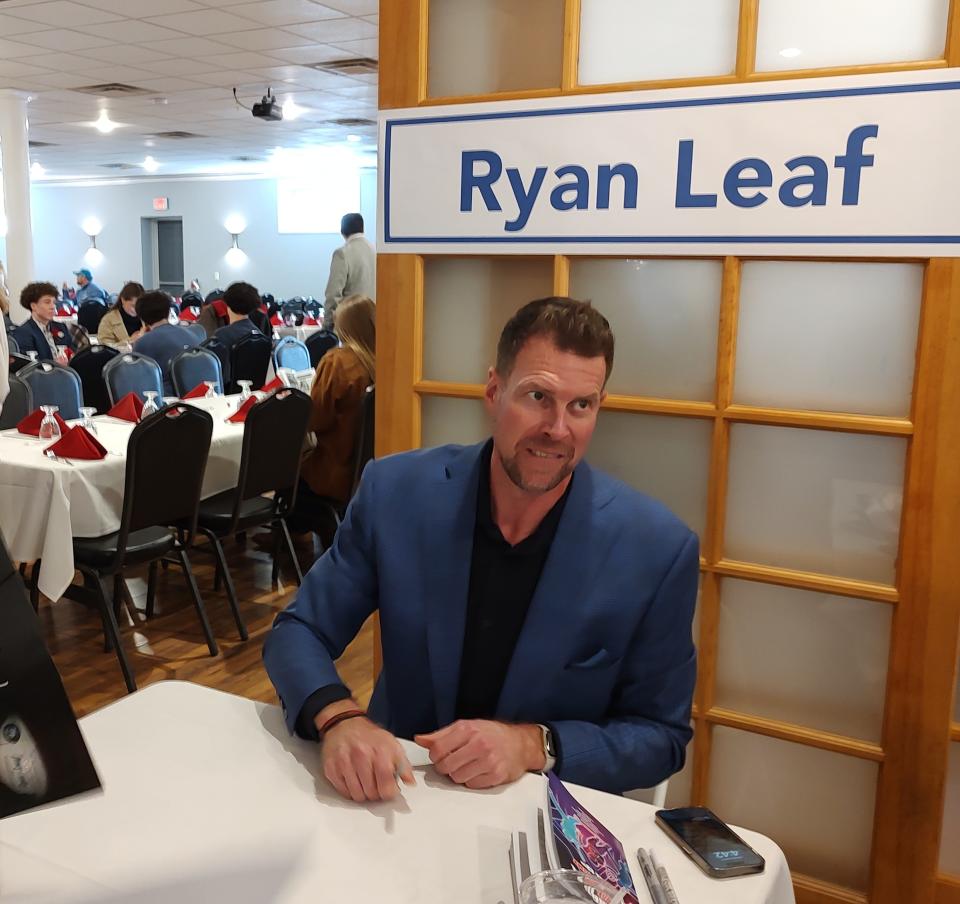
<point>448,552</point>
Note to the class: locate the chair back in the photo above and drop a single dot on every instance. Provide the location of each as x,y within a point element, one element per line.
<point>194,366</point>
<point>130,372</point>
<point>18,362</point>
<point>54,384</point>
<point>12,344</point>
<point>250,360</point>
<point>364,448</point>
<point>17,405</point>
<point>89,315</point>
<point>153,493</point>
<point>214,345</point>
<point>319,344</point>
<point>291,353</point>
<point>273,435</point>
<point>89,364</point>
<point>293,306</point>
<point>313,307</point>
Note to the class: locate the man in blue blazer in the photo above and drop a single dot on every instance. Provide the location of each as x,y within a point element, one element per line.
<point>535,613</point>
<point>41,333</point>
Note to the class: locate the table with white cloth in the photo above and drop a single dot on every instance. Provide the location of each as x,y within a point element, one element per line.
<point>298,332</point>
<point>206,798</point>
<point>44,504</point>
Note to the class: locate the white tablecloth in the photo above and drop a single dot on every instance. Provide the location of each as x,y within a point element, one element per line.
<point>44,503</point>
<point>207,799</point>
<point>298,332</point>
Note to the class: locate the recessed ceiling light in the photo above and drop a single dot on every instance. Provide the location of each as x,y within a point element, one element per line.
<point>290,110</point>
<point>36,170</point>
<point>150,165</point>
<point>354,138</point>
<point>104,124</point>
<point>790,52</point>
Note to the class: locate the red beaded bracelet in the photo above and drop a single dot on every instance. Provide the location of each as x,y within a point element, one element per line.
<point>338,718</point>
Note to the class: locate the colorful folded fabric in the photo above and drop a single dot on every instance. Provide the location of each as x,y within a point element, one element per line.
<point>309,321</point>
<point>275,383</point>
<point>189,315</point>
<point>129,408</point>
<point>276,321</point>
<point>198,392</point>
<point>78,443</point>
<point>30,425</point>
<point>243,411</point>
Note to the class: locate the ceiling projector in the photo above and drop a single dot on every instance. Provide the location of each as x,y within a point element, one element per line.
<point>268,108</point>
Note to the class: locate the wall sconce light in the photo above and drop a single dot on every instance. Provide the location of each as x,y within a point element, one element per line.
<point>93,227</point>
<point>235,224</point>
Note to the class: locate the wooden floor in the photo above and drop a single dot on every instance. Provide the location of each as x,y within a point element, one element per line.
<point>171,644</point>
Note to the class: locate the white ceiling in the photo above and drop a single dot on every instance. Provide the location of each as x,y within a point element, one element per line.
<point>189,54</point>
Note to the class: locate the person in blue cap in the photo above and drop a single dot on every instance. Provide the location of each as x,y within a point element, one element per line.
<point>88,288</point>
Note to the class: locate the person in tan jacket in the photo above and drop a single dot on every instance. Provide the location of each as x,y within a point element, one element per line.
<point>121,326</point>
<point>343,374</point>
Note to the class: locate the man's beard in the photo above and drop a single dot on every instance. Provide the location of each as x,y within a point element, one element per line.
<point>513,471</point>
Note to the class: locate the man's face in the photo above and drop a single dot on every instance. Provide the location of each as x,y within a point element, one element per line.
<point>44,309</point>
<point>544,413</point>
<point>81,280</point>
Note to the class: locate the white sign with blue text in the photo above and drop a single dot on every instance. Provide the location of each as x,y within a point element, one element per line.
<point>862,165</point>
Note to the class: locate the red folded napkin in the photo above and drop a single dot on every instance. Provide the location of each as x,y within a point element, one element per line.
<point>78,443</point>
<point>188,314</point>
<point>276,321</point>
<point>275,383</point>
<point>31,423</point>
<point>243,411</point>
<point>309,321</point>
<point>129,408</point>
<point>198,392</point>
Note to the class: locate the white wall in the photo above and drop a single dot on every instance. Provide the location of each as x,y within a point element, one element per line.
<point>284,265</point>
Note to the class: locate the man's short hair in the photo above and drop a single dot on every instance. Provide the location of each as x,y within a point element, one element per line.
<point>573,326</point>
<point>131,290</point>
<point>242,298</point>
<point>152,307</point>
<point>351,224</point>
<point>33,292</point>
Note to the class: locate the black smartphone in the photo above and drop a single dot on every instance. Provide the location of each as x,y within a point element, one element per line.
<point>709,842</point>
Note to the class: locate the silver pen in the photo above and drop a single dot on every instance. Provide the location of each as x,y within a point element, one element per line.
<point>668,891</point>
<point>650,877</point>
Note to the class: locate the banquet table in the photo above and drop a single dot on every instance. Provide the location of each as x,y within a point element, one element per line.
<point>298,332</point>
<point>206,798</point>
<point>45,503</point>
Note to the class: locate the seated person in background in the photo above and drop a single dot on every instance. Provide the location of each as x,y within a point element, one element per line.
<point>241,300</point>
<point>342,376</point>
<point>89,290</point>
<point>215,314</point>
<point>120,325</point>
<point>161,339</point>
<point>41,333</point>
<point>535,613</point>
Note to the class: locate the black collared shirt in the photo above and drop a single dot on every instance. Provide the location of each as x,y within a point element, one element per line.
<point>503,579</point>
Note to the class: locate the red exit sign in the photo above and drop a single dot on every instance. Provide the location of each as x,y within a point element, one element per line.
<point>161,203</point>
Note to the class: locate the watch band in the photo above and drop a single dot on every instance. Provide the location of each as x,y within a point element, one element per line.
<point>549,749</point>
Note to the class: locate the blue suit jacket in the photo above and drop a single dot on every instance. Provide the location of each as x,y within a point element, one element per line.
<point>30,338</point>
<point>605,654</point>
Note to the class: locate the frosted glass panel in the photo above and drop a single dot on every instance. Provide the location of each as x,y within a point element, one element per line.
<point>816,33</point>
<point>828,336</point>
<point>809,658</point>
<point>664,315</point>
<point>950,839</point>
<point>622,40</point>
<point>817,805</point>
<point>665,457</point>
<point>466,304</point>
<point>815,500</point>
<point>446,420</point>
<point>496,45</point>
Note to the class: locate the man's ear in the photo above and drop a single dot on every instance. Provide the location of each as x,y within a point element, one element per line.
<point>492,389</point>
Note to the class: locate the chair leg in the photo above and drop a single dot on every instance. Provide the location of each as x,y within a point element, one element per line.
<point>35,586</point>
<point>291,550</point>
<point>275,570</point>
<point>151,589</point>
<point>223,568</point>
<point>197,602</point>
<point>112,632</point>
<point>122,601</point>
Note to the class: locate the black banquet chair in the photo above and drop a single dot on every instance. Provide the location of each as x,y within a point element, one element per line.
<point>89,365</point>
<point>250,360</point>
<point>158,519</point>
<point>12,345</point>
<point>54,384</point>
<point>194,366</point>
<point>89,315</point>
<point>130,372</point>
<point>17,405</point>
<point>273,436</point>
<point>319,344</point>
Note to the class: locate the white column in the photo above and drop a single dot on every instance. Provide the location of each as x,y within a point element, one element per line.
<point>15,159</point>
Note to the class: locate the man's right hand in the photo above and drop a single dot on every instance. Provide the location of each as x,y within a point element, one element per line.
<point>362,761</point>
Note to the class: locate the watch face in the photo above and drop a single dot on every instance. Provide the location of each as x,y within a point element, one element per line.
<point>21,767</point>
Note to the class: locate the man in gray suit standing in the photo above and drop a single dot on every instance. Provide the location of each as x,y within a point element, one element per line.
<point>352,269</point>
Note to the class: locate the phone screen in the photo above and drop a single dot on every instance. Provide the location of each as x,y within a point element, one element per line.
<point>712,839</point>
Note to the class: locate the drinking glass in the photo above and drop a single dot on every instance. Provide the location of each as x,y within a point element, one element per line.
<point>211,392</point>
<point>559,886</point>
<point>87,422</point>
<point>32,355</point>
<point>49,428</point>
<point>246,387</point>
<point>287,376</point>
<point>150,405</point>
<point>61,352</point>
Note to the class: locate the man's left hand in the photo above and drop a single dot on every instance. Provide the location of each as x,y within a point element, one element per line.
<point>483,754</point>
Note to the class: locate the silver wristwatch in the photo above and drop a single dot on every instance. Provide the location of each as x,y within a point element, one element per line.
<point>549,749</point>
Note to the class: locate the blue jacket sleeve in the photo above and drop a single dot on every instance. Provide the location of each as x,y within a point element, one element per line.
<point>644,738</point>
<point>337,596</point>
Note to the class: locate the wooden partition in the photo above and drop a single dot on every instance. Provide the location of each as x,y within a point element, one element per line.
<point>904,766</point>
